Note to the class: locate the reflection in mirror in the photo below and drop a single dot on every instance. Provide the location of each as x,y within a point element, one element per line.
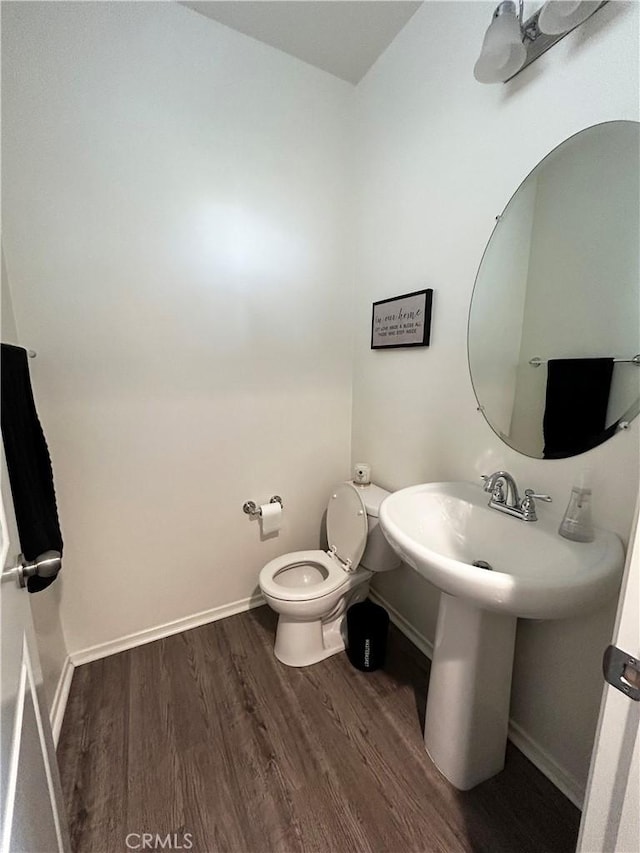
<point>554,324</point>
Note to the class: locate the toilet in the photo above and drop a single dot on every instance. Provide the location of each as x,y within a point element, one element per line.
<point>311,590</point>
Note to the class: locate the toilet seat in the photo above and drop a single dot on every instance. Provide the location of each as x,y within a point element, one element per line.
<point>347,525</point>
<point>347,534</point>
<point>334,575</point>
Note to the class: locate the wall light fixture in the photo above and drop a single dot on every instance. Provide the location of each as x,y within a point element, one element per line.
<point>510,44</point>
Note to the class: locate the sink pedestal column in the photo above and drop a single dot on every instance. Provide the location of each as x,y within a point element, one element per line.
<point>467,715</point>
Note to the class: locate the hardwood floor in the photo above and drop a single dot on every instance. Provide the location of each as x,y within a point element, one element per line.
<point>206,737</point>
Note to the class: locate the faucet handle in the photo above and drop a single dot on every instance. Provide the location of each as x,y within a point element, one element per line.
<point>528,506</point>
<point>494,486</point>
<point>529,493</point>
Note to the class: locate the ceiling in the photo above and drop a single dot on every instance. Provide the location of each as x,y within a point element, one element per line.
<point>341,37</point>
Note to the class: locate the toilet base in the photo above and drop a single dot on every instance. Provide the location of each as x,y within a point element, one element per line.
<point>305,643</point>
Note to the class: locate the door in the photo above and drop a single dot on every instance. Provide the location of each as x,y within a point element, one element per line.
<point>611,818</point>
<point>32,813</point>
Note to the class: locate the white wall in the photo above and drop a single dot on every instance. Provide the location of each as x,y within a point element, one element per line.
<point>45,606</point>
<point>176,207</point>
<point>439,157</point>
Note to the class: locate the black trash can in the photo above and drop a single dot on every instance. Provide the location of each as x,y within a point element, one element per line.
<point>367,628</point>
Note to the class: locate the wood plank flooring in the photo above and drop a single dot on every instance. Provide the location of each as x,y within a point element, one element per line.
<point>206,733</point>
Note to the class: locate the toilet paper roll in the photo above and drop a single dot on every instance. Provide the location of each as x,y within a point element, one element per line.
<point>271,518</point>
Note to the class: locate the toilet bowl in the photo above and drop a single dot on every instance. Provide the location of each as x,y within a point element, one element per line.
<point>311,590</point>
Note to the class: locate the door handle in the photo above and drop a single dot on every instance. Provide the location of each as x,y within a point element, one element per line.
<point>45,565</point>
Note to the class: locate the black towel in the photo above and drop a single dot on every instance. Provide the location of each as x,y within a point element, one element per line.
<point>576,405</point>
<point>28,463</point>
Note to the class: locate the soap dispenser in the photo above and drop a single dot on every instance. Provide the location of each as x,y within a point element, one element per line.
<point>577,524</point>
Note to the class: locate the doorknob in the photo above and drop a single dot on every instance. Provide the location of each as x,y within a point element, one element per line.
<point>45,565</point>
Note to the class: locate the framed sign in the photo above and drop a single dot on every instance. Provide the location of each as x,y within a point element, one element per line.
<point>402,321</point>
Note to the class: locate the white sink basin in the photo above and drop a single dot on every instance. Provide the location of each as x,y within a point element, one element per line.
<point>440,529</point>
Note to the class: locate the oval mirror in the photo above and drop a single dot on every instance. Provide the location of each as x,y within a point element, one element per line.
<point>554,323</point>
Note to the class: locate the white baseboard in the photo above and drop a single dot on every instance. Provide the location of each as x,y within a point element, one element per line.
<point>149,635</point>
<point>561,778</point>
<point>418,639</point>
<point>59,704</point>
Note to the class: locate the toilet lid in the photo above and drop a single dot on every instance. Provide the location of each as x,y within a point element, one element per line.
<point>347,524</point>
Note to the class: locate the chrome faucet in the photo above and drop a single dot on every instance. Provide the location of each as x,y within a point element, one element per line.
<point>505,498</point>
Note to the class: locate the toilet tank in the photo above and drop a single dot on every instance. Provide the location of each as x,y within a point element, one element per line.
<point>378,555</point>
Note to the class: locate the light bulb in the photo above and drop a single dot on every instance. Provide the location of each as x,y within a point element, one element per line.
<point>502,53</point>
<point>560,16</point>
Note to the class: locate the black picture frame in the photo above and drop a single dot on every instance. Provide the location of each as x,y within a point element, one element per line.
<point>385,321</point>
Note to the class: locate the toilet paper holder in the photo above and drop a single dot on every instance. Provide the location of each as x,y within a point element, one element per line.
<point>252,509</point>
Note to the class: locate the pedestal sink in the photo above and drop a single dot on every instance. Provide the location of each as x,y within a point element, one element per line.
<point>526,570</point>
